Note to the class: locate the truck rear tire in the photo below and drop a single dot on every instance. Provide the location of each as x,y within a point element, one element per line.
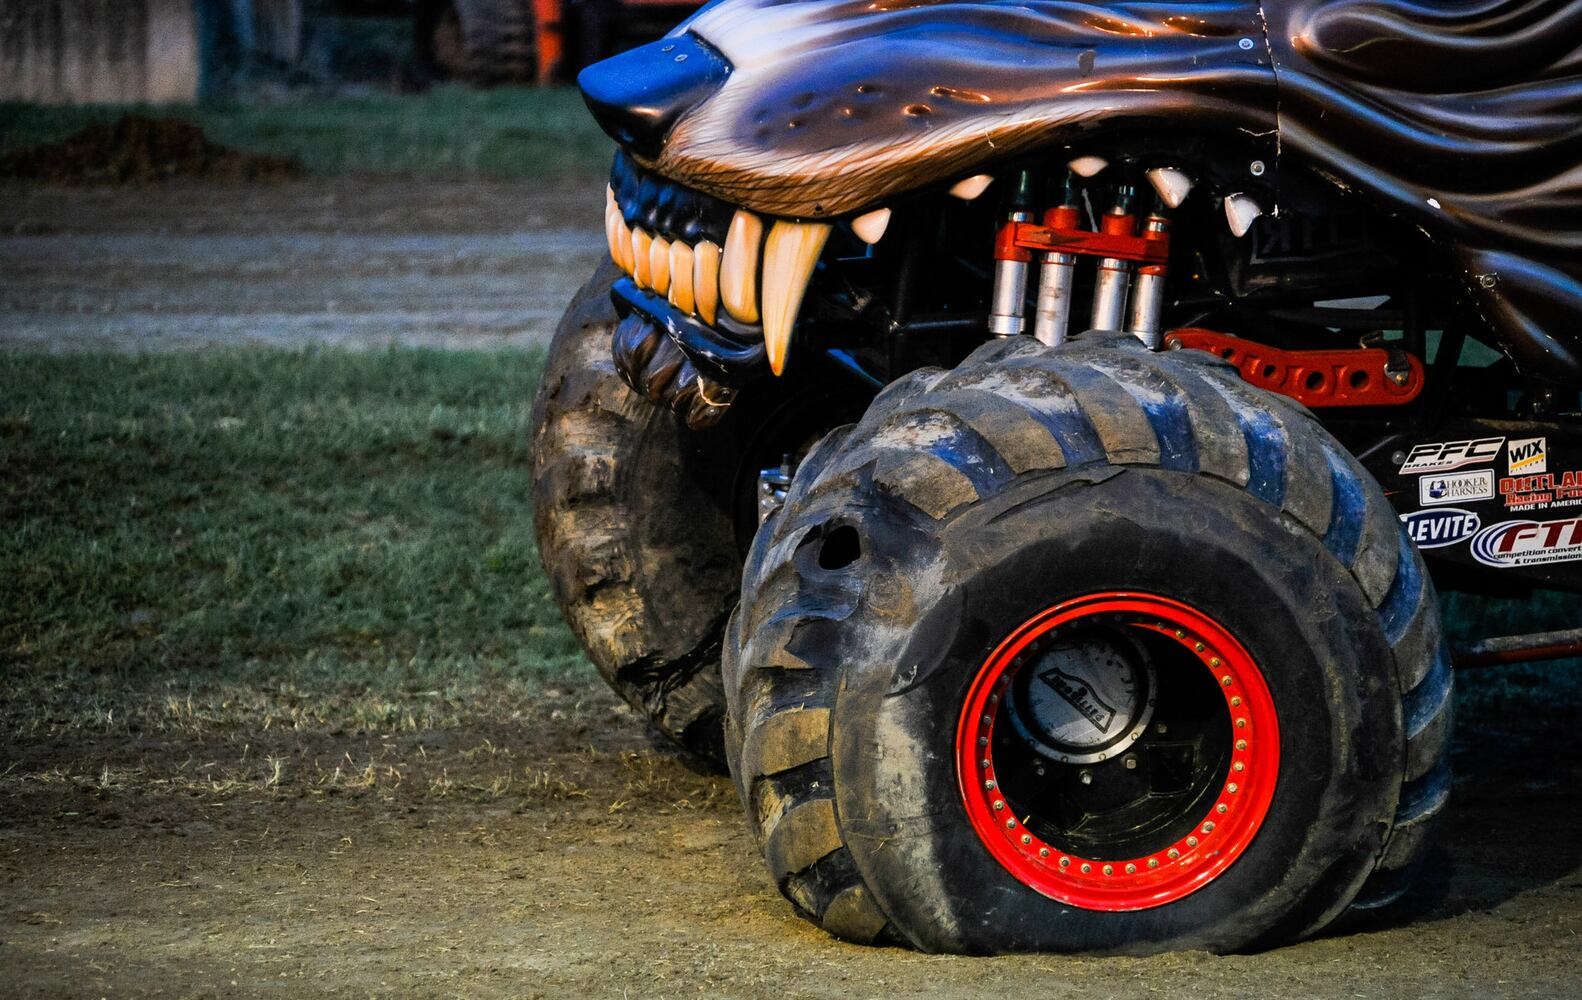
<point>1086,649</point>
<point>641,555</point>
<point>643,524</point>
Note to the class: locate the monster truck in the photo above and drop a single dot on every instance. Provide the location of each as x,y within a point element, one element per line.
<point>1024,440</point>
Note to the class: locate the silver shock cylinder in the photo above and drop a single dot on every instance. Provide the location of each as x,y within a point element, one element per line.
<point>1008,304</point>
<point>1010,290</point>
<point>1114,275</point>
<point>1052,320</point>
<point>1148,291</point>
<point>1056,274</point>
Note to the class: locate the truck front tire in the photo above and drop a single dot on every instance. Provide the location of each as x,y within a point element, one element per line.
<point>1086,649</point>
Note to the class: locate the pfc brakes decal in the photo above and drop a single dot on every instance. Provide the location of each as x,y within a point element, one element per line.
<point>1459,487</point>
<point>1447,455</point>
<point>1529,456</point>
<point>1528,543</point>
<point>1433,529</point>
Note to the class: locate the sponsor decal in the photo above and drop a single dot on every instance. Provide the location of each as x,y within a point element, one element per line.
<point>1447,455</point>
<point>1541,492</point>
<point>1433,529</point>
<point>1458,487</point>
<point>1529,543</point>
<point>1081,697</point>
<point>1528,456</point>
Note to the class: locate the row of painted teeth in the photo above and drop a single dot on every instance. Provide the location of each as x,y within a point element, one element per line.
<point>756,279</point>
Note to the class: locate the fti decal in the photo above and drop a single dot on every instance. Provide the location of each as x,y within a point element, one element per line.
<point>1528,543</point>
<point>1447,455</point>
<point>1529,456</point>
<point>1433,529</point>
<point>1459,487</point>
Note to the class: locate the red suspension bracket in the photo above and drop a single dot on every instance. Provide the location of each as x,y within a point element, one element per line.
<point>1362,376</point>
<point>1059,234</point>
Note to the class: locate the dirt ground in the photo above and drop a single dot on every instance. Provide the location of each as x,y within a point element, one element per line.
<point>348,261</point>
<point>545,847</point>
<point>555,852</point>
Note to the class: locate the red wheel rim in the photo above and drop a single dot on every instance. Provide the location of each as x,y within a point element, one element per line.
<point>1215,839</point>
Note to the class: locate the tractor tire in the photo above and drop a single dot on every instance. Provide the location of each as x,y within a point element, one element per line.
<point>484,43</point>
<point>643,524</point>
<point>1086,649</point>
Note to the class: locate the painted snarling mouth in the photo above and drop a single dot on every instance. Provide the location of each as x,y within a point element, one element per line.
<point>728,267</point>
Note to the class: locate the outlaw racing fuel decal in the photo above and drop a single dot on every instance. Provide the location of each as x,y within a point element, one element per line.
<point>1433,529</point>
<point>1541,492</point>
<point>1528,543</point>
<point>1447,455</point>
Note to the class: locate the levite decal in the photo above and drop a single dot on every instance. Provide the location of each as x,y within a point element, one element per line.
<point>1458,487</point>
<point>1528,543</point>
<point>1447,455</point>
<point>1433,529</point>
<point>1528,456</point>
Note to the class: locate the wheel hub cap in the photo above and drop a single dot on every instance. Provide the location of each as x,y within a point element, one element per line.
<point>1086,698</point>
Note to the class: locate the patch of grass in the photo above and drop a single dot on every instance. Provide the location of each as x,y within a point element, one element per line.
<point>447,131</point>
<point>321,539</point>
<point>328,536</point>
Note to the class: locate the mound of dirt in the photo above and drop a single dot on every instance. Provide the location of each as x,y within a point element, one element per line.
<point>140,150</point>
